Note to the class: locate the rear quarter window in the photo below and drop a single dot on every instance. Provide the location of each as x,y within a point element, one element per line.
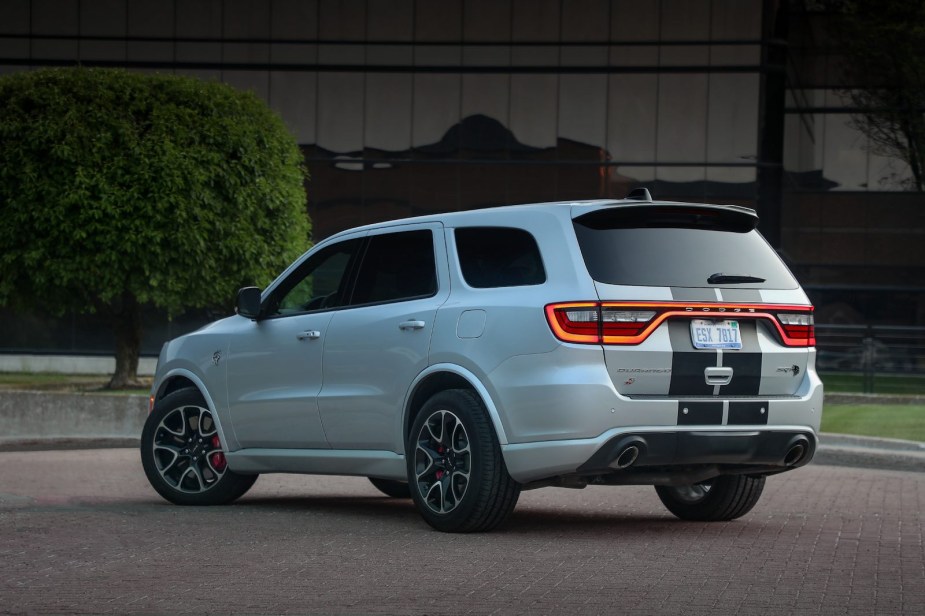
<point>492,257</point>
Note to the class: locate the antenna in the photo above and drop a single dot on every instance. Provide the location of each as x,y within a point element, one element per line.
<point>639,194</point>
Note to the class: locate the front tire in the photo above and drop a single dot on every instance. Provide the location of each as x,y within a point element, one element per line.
<point>722,498</point>
<point>456,472</point>
<point>182,454</point>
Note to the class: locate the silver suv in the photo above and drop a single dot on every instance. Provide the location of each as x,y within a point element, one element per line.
<point>460,358</point>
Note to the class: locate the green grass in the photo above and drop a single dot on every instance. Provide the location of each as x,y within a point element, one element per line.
<point>905,421</point>
<point>892,384</point>
<point>63,383</point>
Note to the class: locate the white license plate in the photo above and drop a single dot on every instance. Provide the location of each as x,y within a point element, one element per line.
<point>707,334</point>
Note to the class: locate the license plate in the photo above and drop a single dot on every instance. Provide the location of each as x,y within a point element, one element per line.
<point>707,334</point>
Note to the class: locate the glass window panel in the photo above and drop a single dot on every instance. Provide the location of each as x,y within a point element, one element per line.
<point>388,111</point>
<point>735,55</point>
<point>146,19</point>
<point>102,18</point>
<point>318,284</point>
<point>631,20</point>
<point>731,175</point>
<point>685,20</point>
<point>535,20</point>
<point>492,257</point>
<point>887,173</point>
<point>582,115</point>
<point>438,21</point>
<point>199,18</point>
<point>340,112</point>
<point>682,115</point>
<point>684,55</point>
<point>292,95</point>
<point>585,20</point>
<point>535,55</point>
<point>199,52</point>
<point>634,55</point>
<point>679,175</point>
<point>390,55</point>
<point>257,82</point>
<point>733,117</point>
<point>487,20</point>
<point>390,20</point>
<point>534,112</point>
<point>844,153</point>
<point>396,266</point>
<point>14,17</point>
<point>436,110</point>
<point>342,20</point>
<point>294,19</point>
<point>631,119</point>
<point>437,55</point>
<point>487,55</point>
<point>736,19</point>
<point>485,106</point>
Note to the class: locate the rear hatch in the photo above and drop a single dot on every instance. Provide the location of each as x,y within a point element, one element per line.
<point>693,302</point>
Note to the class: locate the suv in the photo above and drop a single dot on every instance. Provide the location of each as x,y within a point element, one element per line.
<point>460,358</point>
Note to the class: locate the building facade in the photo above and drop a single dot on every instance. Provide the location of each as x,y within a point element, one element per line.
<point>406,107</point>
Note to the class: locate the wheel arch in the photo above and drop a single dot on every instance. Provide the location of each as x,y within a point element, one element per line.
<point>441,377</point>
<point>180,378</point>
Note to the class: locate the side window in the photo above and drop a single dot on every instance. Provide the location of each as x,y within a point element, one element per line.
<point>396,266</point>
<point>499,257</point>
<point>318,284</point>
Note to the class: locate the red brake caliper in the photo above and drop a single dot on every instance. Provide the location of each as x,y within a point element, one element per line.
<point>218,458</point>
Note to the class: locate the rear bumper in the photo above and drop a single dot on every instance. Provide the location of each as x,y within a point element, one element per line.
<point>782,447</point>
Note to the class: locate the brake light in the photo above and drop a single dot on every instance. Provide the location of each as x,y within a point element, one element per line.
<point>632,323</point>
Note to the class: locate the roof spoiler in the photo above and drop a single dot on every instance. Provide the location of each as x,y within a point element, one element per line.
<point>639,194</point>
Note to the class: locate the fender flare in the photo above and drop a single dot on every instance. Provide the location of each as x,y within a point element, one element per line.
<point>473,381</point>
<point>229,440</point>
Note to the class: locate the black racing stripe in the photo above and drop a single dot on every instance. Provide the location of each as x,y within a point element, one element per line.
<point>743,296</point>
<point>687,363</point>
<point>700,413</point>
<point>748,413</point>
<point>687,374</point>
<point>692,294</point>
<point>745,363</point>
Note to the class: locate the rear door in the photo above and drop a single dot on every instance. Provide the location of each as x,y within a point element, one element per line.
<point>697,298</point>
<point>379,343</point>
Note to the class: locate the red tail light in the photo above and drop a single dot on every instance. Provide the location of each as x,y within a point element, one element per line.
<point>632,323</point>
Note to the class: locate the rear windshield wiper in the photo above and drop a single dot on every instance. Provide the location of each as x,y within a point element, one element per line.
<point>721,278</point>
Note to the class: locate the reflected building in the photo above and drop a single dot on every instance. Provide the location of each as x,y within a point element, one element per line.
<point>407,107</point>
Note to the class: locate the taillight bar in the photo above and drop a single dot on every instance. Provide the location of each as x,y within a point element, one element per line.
<point>632,322</point>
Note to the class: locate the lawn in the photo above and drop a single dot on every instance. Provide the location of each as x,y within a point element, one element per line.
<point>63,382</point>
<point>883,384</point>
<point>905,421</point>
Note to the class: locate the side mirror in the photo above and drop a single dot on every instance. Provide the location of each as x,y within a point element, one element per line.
<point>248,302</point>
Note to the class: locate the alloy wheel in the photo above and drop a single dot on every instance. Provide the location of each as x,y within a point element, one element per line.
<point>442,461</point>
<point>188,453</point>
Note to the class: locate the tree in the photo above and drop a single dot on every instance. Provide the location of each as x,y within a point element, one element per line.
<point>883,42</point>
<point>120,189</point>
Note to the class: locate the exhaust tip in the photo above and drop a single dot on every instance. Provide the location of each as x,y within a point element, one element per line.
<point>795,454</point>
<point>627,457</point>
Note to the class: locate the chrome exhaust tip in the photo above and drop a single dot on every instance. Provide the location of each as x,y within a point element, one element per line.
<point>627,457</point>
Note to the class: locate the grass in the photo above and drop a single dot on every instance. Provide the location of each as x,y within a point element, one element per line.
<point>95,383</point>
<point>892,384</point>
<point>905,421</point>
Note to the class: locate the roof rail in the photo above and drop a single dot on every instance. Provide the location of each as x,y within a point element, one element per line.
<point>639,194</point>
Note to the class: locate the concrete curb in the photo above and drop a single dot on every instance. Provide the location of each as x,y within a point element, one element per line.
<point>31,421</point>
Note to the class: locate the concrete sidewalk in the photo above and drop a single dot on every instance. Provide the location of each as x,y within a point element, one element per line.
<point>43,420</point>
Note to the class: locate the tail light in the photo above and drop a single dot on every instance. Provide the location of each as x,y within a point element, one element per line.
<point>632,323</point>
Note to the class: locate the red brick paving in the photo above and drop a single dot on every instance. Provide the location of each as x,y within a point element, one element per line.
<point>81,532</point>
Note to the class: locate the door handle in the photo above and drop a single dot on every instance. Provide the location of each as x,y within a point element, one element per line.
<point>406,325</point>
<point>718,375</point>
<point>310,335</point>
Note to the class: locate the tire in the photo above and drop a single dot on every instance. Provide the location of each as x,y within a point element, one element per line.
<point>395,489</point>
<point>457,475</point>
<point>182,455</point>
<point>723,498</point>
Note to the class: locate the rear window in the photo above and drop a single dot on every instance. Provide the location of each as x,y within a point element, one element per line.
<point>678,247</point>
<point>498,257</point>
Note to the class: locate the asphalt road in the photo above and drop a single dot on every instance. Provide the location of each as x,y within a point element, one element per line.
<point>81,532</point>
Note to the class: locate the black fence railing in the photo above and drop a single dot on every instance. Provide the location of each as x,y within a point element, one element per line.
<point>872,358</point>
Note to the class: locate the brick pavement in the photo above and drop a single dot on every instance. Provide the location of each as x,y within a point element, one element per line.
<point>81,532</point>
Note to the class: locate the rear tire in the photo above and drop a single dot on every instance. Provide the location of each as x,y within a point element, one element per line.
<point>726,497</point>
<point>395,489</point>
<point>456,472</point>
<point>182,455</point>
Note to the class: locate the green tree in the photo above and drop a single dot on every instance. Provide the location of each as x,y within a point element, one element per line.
<point>883,42</point>
<point>120,189</point>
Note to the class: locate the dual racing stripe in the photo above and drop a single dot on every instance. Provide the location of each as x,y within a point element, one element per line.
<point>689,364</point>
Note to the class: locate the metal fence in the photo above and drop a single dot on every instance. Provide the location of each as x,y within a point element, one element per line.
<point>872,358</point>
